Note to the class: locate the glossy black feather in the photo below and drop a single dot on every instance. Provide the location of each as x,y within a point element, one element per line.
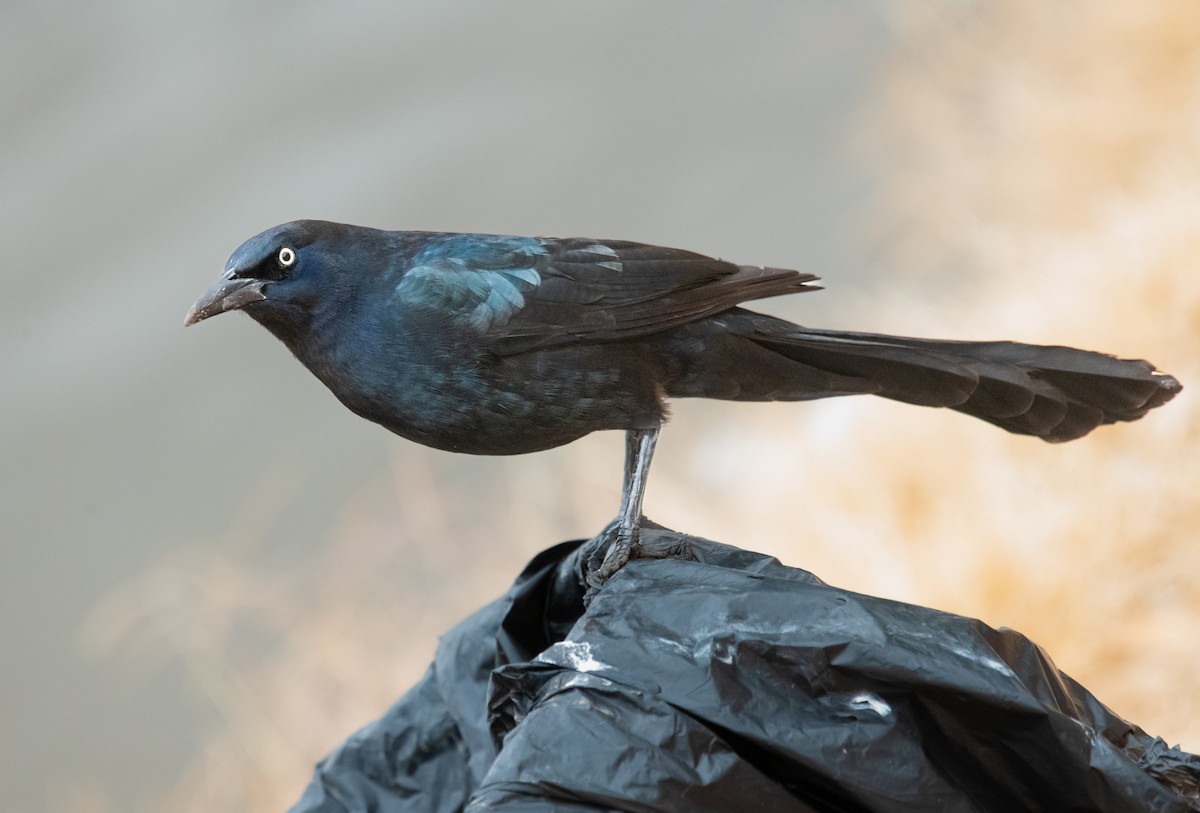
<point>501,345</point>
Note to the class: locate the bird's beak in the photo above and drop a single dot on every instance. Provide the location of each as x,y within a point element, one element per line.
<point>230,293</point>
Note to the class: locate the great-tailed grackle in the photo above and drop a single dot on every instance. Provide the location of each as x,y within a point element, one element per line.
<point>488,344</point>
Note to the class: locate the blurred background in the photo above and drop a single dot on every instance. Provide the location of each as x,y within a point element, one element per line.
<point>212,573</point>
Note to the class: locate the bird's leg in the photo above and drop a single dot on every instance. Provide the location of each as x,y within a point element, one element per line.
<point>639,450</point>
<point>632,442</point>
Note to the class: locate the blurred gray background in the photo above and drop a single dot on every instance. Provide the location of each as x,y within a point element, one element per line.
<point>141,143</point>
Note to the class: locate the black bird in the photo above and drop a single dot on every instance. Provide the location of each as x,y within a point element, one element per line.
<point>489,344</point>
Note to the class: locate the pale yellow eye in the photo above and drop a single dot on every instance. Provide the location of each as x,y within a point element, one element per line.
<point>286,257</point>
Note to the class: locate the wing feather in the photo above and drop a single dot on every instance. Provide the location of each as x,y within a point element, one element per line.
<point>522,293</point>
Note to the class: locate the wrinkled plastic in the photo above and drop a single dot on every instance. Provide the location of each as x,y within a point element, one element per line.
<point>734,683</point>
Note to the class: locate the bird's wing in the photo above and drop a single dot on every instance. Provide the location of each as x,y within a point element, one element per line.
<point>521,293</point>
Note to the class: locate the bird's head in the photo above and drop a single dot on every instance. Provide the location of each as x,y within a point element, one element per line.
<point>281,275</point>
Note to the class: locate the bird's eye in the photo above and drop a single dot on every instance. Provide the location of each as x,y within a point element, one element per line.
<point>286,257</point>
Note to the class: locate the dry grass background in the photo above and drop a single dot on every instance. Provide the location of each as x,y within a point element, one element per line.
<point>1039,167</point>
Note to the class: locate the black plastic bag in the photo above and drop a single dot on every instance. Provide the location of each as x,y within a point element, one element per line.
<point>735,683</point>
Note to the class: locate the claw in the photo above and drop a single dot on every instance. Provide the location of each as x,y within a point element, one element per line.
<point>619,553</point>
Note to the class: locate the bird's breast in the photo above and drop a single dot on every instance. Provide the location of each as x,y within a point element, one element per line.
<point>453,396</point>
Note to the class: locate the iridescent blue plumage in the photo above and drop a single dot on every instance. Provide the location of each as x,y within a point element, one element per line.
<point>483,278</point>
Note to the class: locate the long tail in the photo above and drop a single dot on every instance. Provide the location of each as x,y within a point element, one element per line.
<point>1054,393</point>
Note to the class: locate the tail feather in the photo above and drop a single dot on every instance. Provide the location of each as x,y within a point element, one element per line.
<point>1054,393</point>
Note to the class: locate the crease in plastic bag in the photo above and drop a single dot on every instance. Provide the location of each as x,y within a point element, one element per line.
<point>735,683</point>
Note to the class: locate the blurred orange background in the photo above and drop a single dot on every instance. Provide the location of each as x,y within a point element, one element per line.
<point>987,170</point>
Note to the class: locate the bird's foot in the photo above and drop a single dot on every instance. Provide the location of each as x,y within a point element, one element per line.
<point>620,551</point>
<point>641,542</point>
<point>663,546</point>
